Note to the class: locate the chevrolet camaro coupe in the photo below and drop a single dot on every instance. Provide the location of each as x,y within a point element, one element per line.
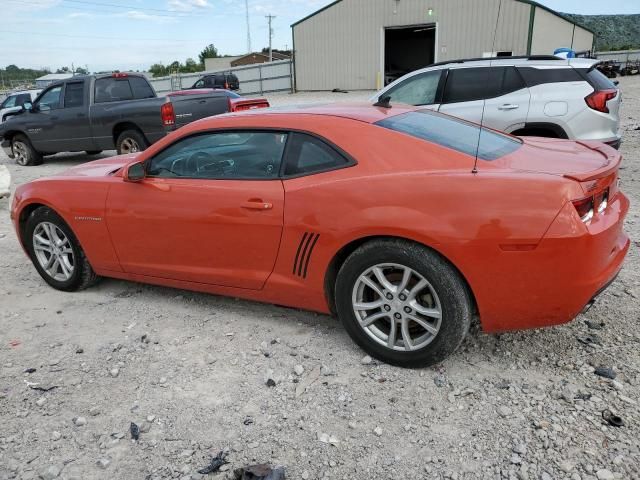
<point>405,223</point>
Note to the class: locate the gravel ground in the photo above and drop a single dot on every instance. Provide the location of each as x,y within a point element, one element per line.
<point>191,371</point>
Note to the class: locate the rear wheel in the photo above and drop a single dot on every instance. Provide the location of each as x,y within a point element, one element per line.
<point>56,252</point>
<point>403,303</point>
<point>131,141</point>
<point>24,153</point>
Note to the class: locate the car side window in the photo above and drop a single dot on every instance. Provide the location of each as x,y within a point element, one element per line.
<point>20,101</point>
<point>9,102</point>
<point>237,155</point>
<point>307,154</point>
<point>468,84</point>
<point>511,80</point>
<point>420,89</point>
<point>74,95</point>
<point>112,89</point>
<point>141,88</point>
<point>199,84</point>
<point>50,99</point>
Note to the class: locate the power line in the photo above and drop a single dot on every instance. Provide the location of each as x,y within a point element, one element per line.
<point>57,34</point>
<point>122,6</point>
<point>87,7</point>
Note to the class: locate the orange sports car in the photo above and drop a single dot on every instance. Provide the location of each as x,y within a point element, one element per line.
<point>404,222</point>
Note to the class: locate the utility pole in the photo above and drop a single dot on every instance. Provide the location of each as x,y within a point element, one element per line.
<point>269,19</point>
<point>246,4</point>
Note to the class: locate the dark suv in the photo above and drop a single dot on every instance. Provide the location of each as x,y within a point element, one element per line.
<point>228,81</point>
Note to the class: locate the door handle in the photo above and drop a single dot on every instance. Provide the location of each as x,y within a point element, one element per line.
<point>257,204</point>
<point>507,106</point>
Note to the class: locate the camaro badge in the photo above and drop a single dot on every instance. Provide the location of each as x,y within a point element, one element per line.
<point>91,219</point>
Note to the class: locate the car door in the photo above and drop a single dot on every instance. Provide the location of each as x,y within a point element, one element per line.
<point>210,210</point>
<point>465,91</point>
<point>508,110</point>
<point>40,124</point>
<point>421,89</point>
<point>73,127</point>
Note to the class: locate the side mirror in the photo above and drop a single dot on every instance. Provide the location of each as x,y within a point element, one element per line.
<point>27,106</point>
<point>134,172</point>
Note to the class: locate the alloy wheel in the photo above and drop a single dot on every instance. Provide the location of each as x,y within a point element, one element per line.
<point>53,251</point>
<point>20,153</point>
<point>129,145</point>
<point>397,307</point>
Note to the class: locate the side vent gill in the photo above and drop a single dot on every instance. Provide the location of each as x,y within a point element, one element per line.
<point>303,255</point>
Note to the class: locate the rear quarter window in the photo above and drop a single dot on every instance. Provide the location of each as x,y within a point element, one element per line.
<point>538,76</point>
<point>454,134</point>
<point>141,88</point>
<point>597,80</point>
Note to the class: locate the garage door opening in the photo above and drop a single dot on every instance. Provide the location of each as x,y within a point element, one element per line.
<point>407,49</point>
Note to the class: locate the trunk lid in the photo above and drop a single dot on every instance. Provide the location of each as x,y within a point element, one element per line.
<point>578,160</point>
<point>197,105</point>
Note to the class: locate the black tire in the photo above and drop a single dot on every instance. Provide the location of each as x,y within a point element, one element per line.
<point>82,275</point>
<point>130,138</point>
<point>23,151</point>
<point>454,297</point>
<point>93,152</point>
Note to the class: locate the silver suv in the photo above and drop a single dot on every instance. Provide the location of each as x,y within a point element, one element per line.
<point>539,96</point>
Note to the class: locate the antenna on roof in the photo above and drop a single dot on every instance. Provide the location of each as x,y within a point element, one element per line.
<point>383,102</point>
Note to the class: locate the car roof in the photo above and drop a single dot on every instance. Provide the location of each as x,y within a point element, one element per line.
<point>532,60</point>
<point>361,111</point>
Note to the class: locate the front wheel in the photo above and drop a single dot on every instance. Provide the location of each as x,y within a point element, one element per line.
<point>131,141</point>
<point>24,153</point>
<point>56,252</point>
<point>403,303</point>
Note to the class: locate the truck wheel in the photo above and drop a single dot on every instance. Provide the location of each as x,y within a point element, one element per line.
<point>93,152</point>
<point>24,153</point>
<point>131,141</point>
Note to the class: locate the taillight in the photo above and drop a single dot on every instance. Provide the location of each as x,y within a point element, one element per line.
<point>167,114</point>
<point>598,99</point>
<point>584,207</point>
<point>588,207</point>
<point>119,75</point>
<point>226,85</point>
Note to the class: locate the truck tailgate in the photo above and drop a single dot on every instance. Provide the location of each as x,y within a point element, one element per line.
<point>189,108</point>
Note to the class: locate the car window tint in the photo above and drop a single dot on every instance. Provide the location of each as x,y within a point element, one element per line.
<point>141,88</point>
<point>511,80</point>
<point>537,76</point>
<point>452,133</point>
<point>598,81</point>
<point>307,154</point>
<point>420,89</point>
<point>225,156</point>
<point>469,84</point>
<point>9,102</point>
<point>74,95</point>
<point>50,100</point>
<point>199,84</point>
<point>22,98</point>
<point>112,89</point>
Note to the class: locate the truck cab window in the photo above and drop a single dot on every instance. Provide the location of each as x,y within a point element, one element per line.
<point>141,88</point>
<point>74,95</point>
<point>50,99</point>
<point>111,89</point>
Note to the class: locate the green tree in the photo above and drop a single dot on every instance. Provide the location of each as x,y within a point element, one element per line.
<point>210,51</point>
<point>81,71</point>
<point>158,70</point>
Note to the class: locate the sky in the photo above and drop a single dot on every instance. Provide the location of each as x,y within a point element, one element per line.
<point>134,34</point>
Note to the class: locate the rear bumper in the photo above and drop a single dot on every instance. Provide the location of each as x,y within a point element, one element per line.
<point>553,283</point>
<point>6,146</point>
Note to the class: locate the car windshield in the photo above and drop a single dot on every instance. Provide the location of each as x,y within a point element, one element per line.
<point>9,102</point>
<point>452,133</point>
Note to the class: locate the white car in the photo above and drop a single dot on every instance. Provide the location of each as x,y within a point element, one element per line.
<point>542,96</point>
<point>14,101</point>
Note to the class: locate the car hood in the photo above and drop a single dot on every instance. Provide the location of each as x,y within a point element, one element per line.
<point>558,157</point>
<point>100,168</point>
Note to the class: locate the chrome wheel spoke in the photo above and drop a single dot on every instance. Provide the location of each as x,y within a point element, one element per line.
<point>427,312</point>
<point>372,285</point>
<point>373,318</point>
<point>406,276</point>
<point>413,292</point>
<point>429,328</point>
<point>406,336</point>
<point>368,305</point>
<point>53,251</point>
<point>391,340</point>
<point>382,279</point>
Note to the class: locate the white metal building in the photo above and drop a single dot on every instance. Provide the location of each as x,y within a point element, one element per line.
<point>48,79</point>
<point>356,44</point>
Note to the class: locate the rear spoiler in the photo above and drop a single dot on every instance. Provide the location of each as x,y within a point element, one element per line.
<point>613,157</point>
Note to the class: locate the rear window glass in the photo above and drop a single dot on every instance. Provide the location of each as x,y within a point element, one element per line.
<point>112,89</point>
<point>598,81</point>
<point>537,76</point>
<point>141,88</point>
<point>451,133</point>
<point>469,84</point>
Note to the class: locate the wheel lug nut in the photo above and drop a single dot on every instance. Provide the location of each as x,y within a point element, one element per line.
<point>407,309</point>
<point>397,316</point>
<point>403,297</point>
<point>389,296</point>
<point>387,308</point>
